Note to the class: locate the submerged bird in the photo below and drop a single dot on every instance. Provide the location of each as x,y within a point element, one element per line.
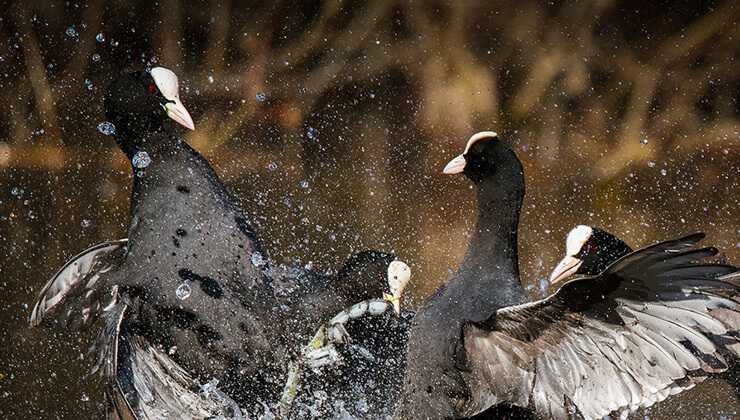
<point>188,299</point>
<point>653,324</point>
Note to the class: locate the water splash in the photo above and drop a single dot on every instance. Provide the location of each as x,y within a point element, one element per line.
<point>183,291</point>
<point>258,260</point>
<point>312,133</point>
<point>107,128</point>
<point>141,160</point>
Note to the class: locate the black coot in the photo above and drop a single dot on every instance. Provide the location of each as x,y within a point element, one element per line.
<point>590,250</point>
<point>653,324</point>
<point>192,323</point>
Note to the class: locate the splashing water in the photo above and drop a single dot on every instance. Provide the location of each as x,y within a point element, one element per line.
<point>107,128</point>
<point>141,160</point>
<point>183,291</point>
<point>312,133</point>
<point>258,260</point>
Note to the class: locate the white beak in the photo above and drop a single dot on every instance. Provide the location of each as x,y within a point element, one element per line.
<point>176,110</point>
<point>455,166</point>
<point>168,85</point>
<point>399,275</point>
<point>565,268</point>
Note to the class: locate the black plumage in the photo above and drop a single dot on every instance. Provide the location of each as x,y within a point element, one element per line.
<point>189,296</point>
<point>597,249</point>
<point>488,279</point>
<point>653,324</point>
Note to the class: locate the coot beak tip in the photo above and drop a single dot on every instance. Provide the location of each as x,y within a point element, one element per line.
<point>455,166</point>
<point>565,268</point>
<point>178,113</point>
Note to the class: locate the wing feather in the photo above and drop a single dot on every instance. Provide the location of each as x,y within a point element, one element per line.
<point>654,324</point>
<point>78,279</point>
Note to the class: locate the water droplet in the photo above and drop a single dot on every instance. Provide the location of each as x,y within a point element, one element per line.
<point>71,32</point>
<point>16,192</point>
<point>210,79</point>
<point>643,141</point>
<point>303,184</point>
<point>209,387</point>
<point>95,58</point>
<point>663,172</point>
<point>141,160</point>
<point>258,260</point>
<point>89,84</point>
<point>114,43</point>
<point>84,398</point>
<point>651,164</point>
<point>312,133</point>
<point>261,97</point>
<point>543,285</point>
<point>100,37</point>
<point>183,291</point>
<point>86,223</point>
<point>107,128</point>
<point>272,166</point>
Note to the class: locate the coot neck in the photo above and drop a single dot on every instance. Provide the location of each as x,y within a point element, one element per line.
<point>492,261</point>
<point>166,168</point>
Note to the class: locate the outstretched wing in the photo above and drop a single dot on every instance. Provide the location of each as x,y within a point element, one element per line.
<point>655,323</point>
<point>77,282</point>
<point>145,383</point>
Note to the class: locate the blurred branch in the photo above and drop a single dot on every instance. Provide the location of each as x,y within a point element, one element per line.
<point>629,148</point>
<point>37,76</point>
<point>170,40</point>
<point>80,59</point>
<point>217,40</point>
<point>685,42</point>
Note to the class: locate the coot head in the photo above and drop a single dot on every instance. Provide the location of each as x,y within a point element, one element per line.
<point>486,157</point>
<point>589,251</point>
<point>142,102</point>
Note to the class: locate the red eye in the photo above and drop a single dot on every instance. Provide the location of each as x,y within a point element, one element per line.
<point>152,88</point>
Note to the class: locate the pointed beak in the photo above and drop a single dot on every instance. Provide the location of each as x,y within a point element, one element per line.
<point>566,268</point>
<point>455,166</point>
<point>176,110</point>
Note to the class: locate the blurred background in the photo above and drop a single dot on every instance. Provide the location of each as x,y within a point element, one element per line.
<point>331,121</point>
